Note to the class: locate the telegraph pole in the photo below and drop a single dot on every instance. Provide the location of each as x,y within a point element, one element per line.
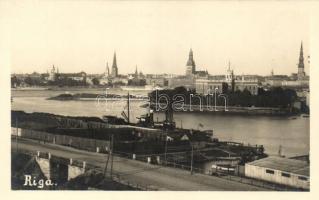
<point>107,160</point>
<point>112,155</point>
<point>17,134</point>
<point>128,107</point>
<point>192,159</point>
<point>165,148</point>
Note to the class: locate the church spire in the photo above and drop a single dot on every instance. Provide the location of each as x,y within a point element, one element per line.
<point>107,70</point>
<point>190,61</point>
<point>301,72</point>
<point>114,61</point>
<point>301,59</point>
<point>114,66</point>
<point>191,53</point>
<point>136,72</point>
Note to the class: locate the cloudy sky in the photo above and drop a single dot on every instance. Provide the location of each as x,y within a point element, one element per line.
<point>157,36</point>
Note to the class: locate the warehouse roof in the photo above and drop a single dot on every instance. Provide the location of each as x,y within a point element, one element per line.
<point>283,164</point>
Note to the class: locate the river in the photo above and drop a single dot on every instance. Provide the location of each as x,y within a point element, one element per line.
<point>292,134</point>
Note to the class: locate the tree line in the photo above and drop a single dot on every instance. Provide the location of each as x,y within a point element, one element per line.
<point>273,97</point>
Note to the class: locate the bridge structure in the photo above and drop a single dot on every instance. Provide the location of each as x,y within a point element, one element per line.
<point>59,169</point>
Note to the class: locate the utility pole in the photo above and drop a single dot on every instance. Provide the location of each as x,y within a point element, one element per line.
<point>17,134</point>
<point>128,107</point>
<point>107,160</point>
<point>112,144</point>
<point>192,159</point>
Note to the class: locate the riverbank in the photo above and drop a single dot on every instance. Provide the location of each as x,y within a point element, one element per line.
<point>94,97</point>
<point>227,110</point>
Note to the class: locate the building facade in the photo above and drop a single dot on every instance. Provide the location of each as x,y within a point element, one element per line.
<point>284,171</point>
<point>228,82</point>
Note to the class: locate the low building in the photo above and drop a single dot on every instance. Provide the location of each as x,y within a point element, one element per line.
<point>187,82</point>
<point>104,81</point>
<point>223,83</point>
<point>162,82</point>
<point>285,171</point>
<point>119,80</point>
<point>208,86</point>
<point>81,76</point>
<point>248,82</point>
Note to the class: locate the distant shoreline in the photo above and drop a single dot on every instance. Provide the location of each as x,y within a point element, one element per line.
<point>233,110</point>
<point>55,88</point>
<point>29,88</point>
<point>94,97</point>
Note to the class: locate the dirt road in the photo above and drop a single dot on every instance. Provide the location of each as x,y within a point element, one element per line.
<point>154,176</point>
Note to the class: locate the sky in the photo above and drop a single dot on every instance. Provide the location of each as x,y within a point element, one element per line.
<point>157,36</point>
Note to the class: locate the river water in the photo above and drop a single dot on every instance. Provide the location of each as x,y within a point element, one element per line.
<point>292,134</point>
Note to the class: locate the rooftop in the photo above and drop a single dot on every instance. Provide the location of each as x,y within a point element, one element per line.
<point>283,164</point>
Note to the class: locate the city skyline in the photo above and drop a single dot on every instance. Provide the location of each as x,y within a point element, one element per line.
<point>173,95</point>
<point>228,65</point>
<point>157,39</point>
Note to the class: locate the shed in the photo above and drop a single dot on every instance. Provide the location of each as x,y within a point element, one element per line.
<point>285,171</point>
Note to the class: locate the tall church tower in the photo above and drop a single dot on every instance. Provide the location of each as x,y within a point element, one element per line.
<point>114,67</point>
<point>190,65</point>
<point>301,65</point>
<point>107,70</point>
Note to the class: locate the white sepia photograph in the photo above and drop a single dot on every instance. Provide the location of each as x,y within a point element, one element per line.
<point>159,95</point>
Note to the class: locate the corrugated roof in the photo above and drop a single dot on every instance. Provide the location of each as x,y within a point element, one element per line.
<point>283,164</point>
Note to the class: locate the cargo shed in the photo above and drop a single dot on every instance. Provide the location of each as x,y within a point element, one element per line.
<point>285,171</point>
